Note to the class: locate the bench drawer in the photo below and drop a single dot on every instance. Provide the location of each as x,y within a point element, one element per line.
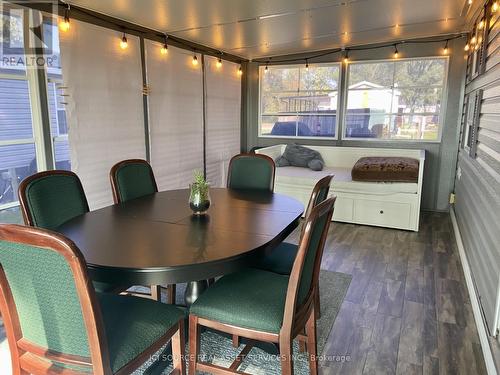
<point>382,213</point>
<point>343,209</point>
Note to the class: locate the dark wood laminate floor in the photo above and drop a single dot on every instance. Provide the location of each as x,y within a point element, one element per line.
<point>407,310</point>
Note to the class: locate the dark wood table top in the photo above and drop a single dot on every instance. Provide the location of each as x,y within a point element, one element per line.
<point>156,239</point>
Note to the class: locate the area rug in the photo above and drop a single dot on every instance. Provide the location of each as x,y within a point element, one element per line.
<point>262,358</point>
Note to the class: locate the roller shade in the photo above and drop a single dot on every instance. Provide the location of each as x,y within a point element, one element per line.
<point>105,109</point>
<point>175,115</point>
<point>223,117</point>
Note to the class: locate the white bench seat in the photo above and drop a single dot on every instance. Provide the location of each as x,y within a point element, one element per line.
<point>342,181</point>
<point>385,204</point>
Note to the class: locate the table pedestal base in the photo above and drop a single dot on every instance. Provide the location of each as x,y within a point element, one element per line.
<point>193,290</point>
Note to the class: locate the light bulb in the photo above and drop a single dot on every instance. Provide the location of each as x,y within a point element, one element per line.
<point>164,49</point>
<point>467,47</point>
<point>307,66</point>
<point>219,63</point>
<point>346,59</point>
<point>195,60</point>
<point>494,7</point>
<point>396,54</point>
<point>469,2</point>
<point>481,24</point>
<point>266,69</point>
<point>240,71</point>
<point>473,40</point>
<point>124,42</point>
<point>64,25</point>
<point>445,50</point>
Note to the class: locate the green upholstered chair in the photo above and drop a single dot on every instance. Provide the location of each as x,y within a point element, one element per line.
<point>280,260</point>
<point>130,179</point>
<point>49,199</point>
<point>251,171</point>
<point>56,323</point>
<point>266,306</point>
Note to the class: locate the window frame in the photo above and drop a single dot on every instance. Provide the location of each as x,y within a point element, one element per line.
<point>442,114</point>
<point>32,77</point>
<point>337,115</point>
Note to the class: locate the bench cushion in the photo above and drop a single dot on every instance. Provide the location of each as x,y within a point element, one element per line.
<point>386,169</point>
<point>342,181</point>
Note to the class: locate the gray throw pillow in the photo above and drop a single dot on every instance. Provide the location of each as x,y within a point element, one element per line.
<point>300,156</point>
<point>282,162</point>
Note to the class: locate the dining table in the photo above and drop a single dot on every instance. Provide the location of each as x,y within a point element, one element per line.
<point>156,239</point>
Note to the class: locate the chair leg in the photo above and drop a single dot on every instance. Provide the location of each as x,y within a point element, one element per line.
<point>286,355</point>
<point>171,291</point>
<point>302,346</point>
<point>311,343</point>
<point>317,306</point>
<point>236,341</point>
<point>156,292</point>
<point>178,349</point>
<point>194,345</point>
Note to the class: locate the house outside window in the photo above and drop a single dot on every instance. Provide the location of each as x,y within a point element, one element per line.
<point>395,100</point>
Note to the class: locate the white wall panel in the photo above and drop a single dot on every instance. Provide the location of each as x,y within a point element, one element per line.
<point>104,111</point>
<point>175,114</point>
<point>223,118</point>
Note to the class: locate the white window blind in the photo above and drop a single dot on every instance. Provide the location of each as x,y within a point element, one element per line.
<point>104,110</point>
<point>175,115</point>
<point>223,117</point>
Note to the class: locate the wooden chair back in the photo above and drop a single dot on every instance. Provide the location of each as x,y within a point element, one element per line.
<point>319,193</point>
<point>49,199</point>
<point>251,171</point>
<point>132,178</point>
<point>44,322</point>
<point>304,277</point>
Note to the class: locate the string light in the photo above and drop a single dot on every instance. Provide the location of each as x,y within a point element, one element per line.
<point>64,24</point>
<point>481,24</point>
<point>195,60</point>
<point>346,57</point>
<point>494,7</point>
<point>469,2</point>
<point>266,69</point>
<point>124,42</point>
<point>396,52</point>
<point>467,46</point>
<point>307,66</point>
<point>473,40</point>
<point>219,63</point>
<point>164,48</point>
<point>445,49</point>
<point>240,71</point>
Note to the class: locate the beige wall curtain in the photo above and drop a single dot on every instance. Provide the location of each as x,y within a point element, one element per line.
<point>104,110</point>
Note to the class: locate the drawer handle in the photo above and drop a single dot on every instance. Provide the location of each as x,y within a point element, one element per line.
<point>381,211</point>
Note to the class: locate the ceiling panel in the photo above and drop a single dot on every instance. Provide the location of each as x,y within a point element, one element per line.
<point>264,28</point>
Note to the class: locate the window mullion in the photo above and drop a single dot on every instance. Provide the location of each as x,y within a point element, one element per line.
<point>37,79</point>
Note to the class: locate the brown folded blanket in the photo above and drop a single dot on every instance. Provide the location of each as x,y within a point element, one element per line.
<point>386,169</point>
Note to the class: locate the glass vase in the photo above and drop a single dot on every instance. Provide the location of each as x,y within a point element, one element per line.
<point>199,199</point>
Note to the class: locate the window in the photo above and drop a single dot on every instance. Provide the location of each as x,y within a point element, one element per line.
<point>296,101</point>
<point>398,100</point>
<point>18,156</point>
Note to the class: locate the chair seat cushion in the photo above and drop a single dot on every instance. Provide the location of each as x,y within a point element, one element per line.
<point>133,324</point>
<point>279,260</point>
<point>251,298</point>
